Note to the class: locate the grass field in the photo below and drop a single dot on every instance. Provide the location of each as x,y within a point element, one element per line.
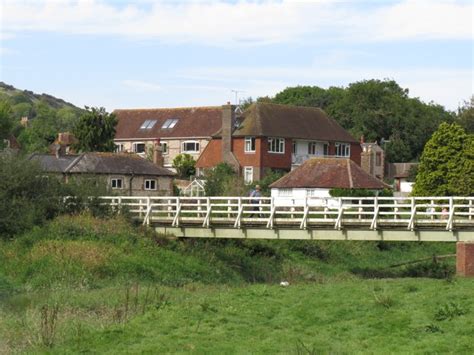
<point>82,284</point>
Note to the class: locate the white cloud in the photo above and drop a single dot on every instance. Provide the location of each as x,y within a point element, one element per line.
<point>244,22</point>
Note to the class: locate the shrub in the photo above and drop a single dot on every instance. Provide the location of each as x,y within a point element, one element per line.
<point>184,165</point>
<point>449,311</point>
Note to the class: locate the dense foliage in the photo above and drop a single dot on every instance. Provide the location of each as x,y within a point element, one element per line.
<point>447,164</point>
<point>337,192</point>
<point>466,115</point>
<point>378,110</point>
<point>218,178</point>
<point>6,122</point>
<point>95,131</point>
<point>184,165</point>
<point>29,197</point>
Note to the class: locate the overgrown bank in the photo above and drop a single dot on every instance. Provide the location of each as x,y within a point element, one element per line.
<point>62,284</point>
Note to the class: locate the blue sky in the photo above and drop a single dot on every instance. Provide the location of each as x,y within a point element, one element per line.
<point>134,54</point>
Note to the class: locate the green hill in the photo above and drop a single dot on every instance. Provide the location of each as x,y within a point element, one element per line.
<point>47,116</point>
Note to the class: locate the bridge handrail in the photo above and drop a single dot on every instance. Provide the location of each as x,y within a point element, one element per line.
<point>411,212</point>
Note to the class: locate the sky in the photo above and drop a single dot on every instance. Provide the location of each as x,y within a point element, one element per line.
<point>138,54</point>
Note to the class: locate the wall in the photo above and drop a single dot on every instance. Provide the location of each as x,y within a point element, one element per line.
<point>275,160</point>
<point>174,147</point>
<point>164,185</point>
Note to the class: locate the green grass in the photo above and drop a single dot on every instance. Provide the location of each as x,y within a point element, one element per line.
<point>84,284</point>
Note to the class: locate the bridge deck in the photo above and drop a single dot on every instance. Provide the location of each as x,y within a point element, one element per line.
<point>377,218</point>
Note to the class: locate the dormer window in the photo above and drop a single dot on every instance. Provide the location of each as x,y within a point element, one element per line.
<point>169,123</point>
<point>148,124</point>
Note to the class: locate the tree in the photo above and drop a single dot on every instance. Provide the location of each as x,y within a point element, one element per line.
<point>375,109</point>
<point>218,178</point>
<point>6,122</point>
<point>465,115</point>
<point>95,131</point>
<point>447,164</point>
<point>184,165</point>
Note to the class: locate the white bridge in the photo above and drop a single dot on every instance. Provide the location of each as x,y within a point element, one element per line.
<point>343,218</point>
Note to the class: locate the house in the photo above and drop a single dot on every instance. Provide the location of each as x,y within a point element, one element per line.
<point>276,137</point>
<point>125,174</point>
<point>178,130</point>
<point>400,173</point>
<point>317,176</point>
<point>372,159</point>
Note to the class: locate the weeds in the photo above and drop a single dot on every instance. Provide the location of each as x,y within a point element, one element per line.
<point>301,348</point>
<point>49,318</point>
<point>384,300</point>
<point>450,311</point>
<point>433,328</point>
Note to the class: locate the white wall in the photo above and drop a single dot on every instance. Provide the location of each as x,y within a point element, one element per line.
<point>406,186</point>
<point>298,196</point>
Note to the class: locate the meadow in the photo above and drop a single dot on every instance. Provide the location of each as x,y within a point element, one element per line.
<point>84,284</point>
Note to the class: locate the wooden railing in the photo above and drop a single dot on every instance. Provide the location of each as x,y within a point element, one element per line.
<point>266,212</point>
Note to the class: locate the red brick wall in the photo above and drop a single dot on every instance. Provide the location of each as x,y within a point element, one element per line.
<point>211,156</point>
<point>246,159</point>
<point>465,259</point>
<point>276,160</point>
<point>356,150</point>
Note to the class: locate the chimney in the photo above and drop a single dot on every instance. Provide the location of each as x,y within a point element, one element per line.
<point>157,154</point>
<point>367,159</point>
<point>228,119</point>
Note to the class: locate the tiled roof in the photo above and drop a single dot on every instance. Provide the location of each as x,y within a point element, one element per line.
<point>274,120</point>
<point>192,122</point>
<point>329,173</point>
<point>100,163</point>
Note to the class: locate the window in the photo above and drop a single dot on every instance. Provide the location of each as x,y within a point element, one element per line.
<point>325,149</point>
<point>378,159</point>
<point>249,144</point>
<point>169,123</point>
<point>276,145</point>
<point>164,148</point>
<point>285,192</point>
<point>190,147</point>
<point>294,149</point>
<point>343,149</point>
<point>312,148</point>
<point>150,184</point>
<point>248,174</point>
<point>119,147</point>
<point>139,147</point>
<point>148,124</point>
<point>116,183</point>
<point>310,192</point>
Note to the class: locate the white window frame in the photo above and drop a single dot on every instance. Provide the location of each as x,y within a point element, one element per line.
<point>119,147</point>
<point>150,183</point>
<point>248,145</point>
<point>312,147</point>
<point>248,174</point>
<point>116,180</point>
<point>285,192</point>
<point>276,143</point>
<point>310,192</point>
<point>169,123</point>
<point>346,150</point>
<point>196,145</point>
<point>134,147</point>
<point>164,148</point>
<point>326,149</point>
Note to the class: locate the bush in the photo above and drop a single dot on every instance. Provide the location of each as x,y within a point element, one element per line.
<point>184,165</point>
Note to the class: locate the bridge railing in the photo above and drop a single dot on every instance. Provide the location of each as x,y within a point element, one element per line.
<point>311,212</point>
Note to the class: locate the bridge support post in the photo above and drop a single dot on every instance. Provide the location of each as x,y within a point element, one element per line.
<point>465,259</point>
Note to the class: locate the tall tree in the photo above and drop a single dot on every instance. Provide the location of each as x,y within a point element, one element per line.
<point>447,164</point>
<point>95,131</point>
<point>6,122</point>
<point>466,115</point>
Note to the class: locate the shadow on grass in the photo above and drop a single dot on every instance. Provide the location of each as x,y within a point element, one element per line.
<point>431,269</point>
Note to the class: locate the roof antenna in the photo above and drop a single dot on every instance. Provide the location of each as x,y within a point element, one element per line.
<point>236,92</point>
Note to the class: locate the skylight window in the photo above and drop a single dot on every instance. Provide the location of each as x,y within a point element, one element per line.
<point>148,124</point>
<point>169,123</point>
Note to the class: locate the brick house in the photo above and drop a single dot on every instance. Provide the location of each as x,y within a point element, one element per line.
<point>125,174</point>
<point>276,137</point>
<point>178,130</point>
